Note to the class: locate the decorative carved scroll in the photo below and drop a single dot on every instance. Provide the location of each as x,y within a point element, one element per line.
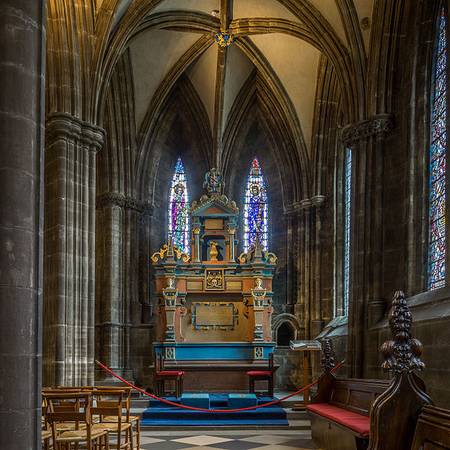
<point>170,252</point>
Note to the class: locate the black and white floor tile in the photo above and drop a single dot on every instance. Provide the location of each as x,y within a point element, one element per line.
<point>252,440</point>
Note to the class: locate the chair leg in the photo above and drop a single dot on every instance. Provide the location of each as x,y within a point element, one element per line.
<point>138,433</point>
<point>251,385</point>
<point>271,387</point>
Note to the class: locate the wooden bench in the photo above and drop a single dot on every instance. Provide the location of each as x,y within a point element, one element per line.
<point>340,412</point>
<point>432,430</point>
<point>357,414</point>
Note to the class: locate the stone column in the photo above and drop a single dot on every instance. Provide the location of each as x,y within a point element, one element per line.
<point>22,96</point>
<point>117,307</point>
<point>317,322</point>
<point>366,141</point>
<point>69,237</point>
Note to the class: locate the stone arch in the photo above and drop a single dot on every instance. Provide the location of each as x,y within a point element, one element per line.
<point>285,321</point>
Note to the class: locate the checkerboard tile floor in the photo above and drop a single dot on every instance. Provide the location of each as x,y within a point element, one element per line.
<point>254,440</point>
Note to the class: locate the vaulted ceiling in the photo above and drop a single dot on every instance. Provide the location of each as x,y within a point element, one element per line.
<point>283,39</point>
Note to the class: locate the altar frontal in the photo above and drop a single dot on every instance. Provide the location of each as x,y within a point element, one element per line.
<point>214,307</point>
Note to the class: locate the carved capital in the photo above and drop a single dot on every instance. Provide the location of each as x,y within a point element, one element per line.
<point>123,201</point>
<point>378,125</point>
<point>63,126</point>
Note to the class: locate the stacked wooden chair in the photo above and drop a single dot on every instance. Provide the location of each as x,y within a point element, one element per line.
<point>73,410</point>
<point>87,416</point>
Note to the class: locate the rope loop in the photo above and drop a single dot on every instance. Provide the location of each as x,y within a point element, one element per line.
<point>193,408</point>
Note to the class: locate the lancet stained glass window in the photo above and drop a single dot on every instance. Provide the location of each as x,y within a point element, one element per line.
<point>255,208</point>
<point>179,209</point>
<point>438,164</point>
<point>347,227</point>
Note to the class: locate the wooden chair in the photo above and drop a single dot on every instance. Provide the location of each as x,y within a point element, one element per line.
<point>75,409</point>
<point>135,421</point>
<point>262,375</point>
<point>110,403</point>
<point>46,432</point>
<point>162,375</point>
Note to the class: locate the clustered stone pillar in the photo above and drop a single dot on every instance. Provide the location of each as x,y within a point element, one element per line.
<point>21,130</point>
<point>366,307</point>
<point>69,289</point>
<point>116,279</point>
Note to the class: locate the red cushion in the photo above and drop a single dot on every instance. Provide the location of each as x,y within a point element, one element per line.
<point>170,373</point>
<point>356,422</point>
<point>259,373</point>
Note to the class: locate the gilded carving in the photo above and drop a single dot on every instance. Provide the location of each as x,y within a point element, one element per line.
<point>214,279</point>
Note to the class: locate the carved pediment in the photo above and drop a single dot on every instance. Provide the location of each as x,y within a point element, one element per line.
<point>214,205</point>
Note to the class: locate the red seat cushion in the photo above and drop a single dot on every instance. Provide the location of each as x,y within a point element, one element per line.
<point>356,422</point>
<point>170,373</point>
<point>259,373</point>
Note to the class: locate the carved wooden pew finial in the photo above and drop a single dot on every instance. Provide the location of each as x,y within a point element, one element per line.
<point>402,353</point>
<point>394,413</point>
<point>328,357</point>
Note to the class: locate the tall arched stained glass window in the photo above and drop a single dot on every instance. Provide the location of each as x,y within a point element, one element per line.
<point>347,227</point>
<point>179,209</point>
<point>255,208</point>
<point>437,165</point>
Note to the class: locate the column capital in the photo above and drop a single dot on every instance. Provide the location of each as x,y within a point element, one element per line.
<point>305,204</point>
<point>123,201</point>
<point>378,125</point>
<point>65,126</point>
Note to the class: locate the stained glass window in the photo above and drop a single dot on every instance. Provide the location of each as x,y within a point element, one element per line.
<point>438,164</point>
<point>255,208</point>
<point>179,209</point>
<point>347,227</point>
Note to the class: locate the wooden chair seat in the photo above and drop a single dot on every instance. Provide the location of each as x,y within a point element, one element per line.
<point>259,373</point>
<point>79,435</point>
<point>170,373</point>
<point>46,434</point>
<point>111,427</point>
<point>113,419</point>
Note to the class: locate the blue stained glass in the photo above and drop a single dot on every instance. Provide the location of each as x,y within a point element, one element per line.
<point>179,209</point>
<point>437,238</point>
<point>347,226</point>
<point>255,208</point>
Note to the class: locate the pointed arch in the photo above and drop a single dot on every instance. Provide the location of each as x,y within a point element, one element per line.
<point>178,214</point>
<point>256,210</point>
<point>437,248</point>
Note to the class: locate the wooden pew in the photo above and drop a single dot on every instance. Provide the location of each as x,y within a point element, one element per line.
<point>432,430</point>
<point>340,411</point>
<point>354,414</point>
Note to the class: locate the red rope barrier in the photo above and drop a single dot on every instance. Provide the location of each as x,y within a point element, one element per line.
<point>193,408</point>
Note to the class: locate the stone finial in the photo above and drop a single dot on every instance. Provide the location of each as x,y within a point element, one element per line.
<point>327,362</point>
<point>402,353</point>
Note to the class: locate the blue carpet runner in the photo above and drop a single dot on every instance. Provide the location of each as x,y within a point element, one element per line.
<point>160,414</point>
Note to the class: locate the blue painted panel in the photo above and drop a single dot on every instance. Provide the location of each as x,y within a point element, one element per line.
<point>215,351</point>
